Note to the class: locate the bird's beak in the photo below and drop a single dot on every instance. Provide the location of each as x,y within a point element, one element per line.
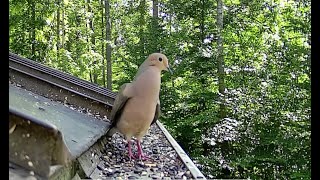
<point>168,68</point>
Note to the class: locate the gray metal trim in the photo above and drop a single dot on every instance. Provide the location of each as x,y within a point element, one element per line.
<point>184,157</point>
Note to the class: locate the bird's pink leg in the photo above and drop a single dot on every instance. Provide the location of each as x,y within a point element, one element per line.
<point>140,153</point>
<point>129,150</point>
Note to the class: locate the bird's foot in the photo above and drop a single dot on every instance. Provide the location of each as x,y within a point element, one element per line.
<point>142,157</point>
<point>131,156</point>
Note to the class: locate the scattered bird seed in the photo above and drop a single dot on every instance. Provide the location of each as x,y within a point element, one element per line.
<point>12,129</point>
<point>163,162</point>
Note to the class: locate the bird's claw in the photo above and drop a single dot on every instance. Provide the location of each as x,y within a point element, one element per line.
<point>131,156</point>
<point>143,157</point>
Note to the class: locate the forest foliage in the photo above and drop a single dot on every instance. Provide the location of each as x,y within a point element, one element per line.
<point>248,58</point>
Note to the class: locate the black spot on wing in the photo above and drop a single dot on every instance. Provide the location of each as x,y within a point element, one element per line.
<point>156,114</point>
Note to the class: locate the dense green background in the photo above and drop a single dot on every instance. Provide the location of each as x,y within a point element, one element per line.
<point>265,61</point>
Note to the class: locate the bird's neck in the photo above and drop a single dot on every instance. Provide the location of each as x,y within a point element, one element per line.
<point>143,68</point>
<point>149,80</point>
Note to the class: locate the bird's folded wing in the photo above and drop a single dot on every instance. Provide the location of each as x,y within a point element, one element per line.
<point>119,104</point>
<point>157,113</point>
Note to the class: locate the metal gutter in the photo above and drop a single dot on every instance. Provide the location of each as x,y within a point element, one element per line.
<point>184,157</point>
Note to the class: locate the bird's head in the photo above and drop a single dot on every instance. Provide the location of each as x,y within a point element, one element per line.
<point>159,60</point>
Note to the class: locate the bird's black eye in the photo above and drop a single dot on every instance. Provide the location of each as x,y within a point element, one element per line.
<point>160,59</point>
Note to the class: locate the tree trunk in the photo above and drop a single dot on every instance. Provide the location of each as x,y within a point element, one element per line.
<point>90,74</point>
<point>108,50</point>
<point>155,9</point>
<point>68,43</point>
<point>220,58</point>
<point>87,21</point>
<point>202,79</point>
<point>155,28</point>
<point>170,20</point>
<point>87,34</point>
<point>93,38</point>
<point>142,8</point>
<point>63,26</point>
<point>202,22</point>
<point>33,31</point>
<point>77,40</point>
<point>58,30</point>
<point>309,58</point>
<point>102,47</point>
<point>93,42</point>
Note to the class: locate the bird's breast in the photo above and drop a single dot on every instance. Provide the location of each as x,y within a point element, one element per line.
<point>142,107</point>
<point>148,84</point>
<point>137,116</point>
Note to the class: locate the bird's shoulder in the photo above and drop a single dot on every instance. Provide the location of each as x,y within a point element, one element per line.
<point>126,90</point>
<point>121,98</point>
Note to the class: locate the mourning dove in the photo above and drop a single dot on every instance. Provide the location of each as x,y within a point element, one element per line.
<point>137,104</point>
